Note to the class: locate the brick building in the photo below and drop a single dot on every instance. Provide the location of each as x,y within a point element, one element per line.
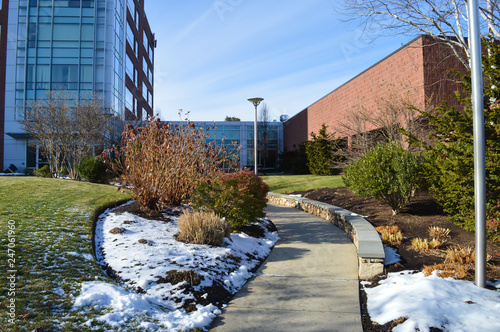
<point>418,72</point>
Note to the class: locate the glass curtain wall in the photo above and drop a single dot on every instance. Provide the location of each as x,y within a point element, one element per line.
<point>58,47</point>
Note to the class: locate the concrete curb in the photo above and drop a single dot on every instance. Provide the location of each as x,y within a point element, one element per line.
<point>371,253</point>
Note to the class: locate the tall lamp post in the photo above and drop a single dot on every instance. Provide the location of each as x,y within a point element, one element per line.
<point>255,102</point>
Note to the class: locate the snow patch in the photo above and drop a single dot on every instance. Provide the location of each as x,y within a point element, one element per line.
<point>448,304</point>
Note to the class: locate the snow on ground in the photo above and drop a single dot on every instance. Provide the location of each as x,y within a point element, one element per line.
<point>141,257</point>
<point>391,255</point>
<point>448,304</point>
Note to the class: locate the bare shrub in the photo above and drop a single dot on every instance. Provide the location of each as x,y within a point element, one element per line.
<point>67,127</point>
<point>203,228</point>
<point>367,127</point>
<point>164,163</point>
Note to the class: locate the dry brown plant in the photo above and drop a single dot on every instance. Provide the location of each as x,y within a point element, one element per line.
<point>436,243</point>
<point>460,255</point>
<point>163,163</point>
<point>420,244</point>
<point>446,270</point>
<point>203,228</point>
<point>393,229</point>
<point>439,232</point>
<point>392,238</point>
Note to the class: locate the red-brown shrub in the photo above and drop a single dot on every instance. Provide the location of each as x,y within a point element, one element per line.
<point>163,163</point>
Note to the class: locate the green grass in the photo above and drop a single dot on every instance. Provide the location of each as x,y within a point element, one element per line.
<point>289,183</point>
<point>50,220</point>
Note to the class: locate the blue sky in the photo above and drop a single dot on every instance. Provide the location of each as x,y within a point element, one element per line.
<point>213,55</point>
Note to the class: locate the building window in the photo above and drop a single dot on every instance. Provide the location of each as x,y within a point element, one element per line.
<point>131,6</point>
<point>145,67</point>
<point>130,35</point>
<point>65,77</point>
<point>66,32</point>
<point>145,40</point>
<point>129,66</point>
<point>86,73</point>
<point>129,99</point>
<point>87,32</point>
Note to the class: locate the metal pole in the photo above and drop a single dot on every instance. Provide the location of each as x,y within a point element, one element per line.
<point>255,102</point>
<point>479,142</point>
<point>255,142</point>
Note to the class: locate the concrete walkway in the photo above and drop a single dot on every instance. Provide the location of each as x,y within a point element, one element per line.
<point>309,282</point>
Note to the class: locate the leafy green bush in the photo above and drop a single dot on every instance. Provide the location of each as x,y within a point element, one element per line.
<point>387,172</point>
<point>43,172</point>
<point>239,197</point>
<point>93,170</point>
<point>321,153</point>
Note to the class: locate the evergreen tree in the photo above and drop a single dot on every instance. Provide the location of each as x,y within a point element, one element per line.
<point>448,157</point>
<point>321,153</point>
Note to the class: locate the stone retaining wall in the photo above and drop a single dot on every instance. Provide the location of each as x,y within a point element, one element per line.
<point>364,236</point>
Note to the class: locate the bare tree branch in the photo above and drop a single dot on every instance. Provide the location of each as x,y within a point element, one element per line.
<point>66,128</point>
<point>444,20</point>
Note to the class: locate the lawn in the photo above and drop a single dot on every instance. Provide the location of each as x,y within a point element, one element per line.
<point>289,183</point>
<point>46,245</point>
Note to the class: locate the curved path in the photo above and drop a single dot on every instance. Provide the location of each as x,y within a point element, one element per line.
<point>309,282</point>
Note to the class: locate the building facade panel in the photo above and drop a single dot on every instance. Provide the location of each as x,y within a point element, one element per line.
<point>4,8</point>
<point>238,138</point>
<point>76,46</point>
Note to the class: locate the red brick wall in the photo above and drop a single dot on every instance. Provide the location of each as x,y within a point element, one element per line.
<point>295,130</point>
<point>411,71</point>
<point>439,63</point>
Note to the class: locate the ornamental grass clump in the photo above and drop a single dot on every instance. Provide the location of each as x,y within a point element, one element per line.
<point>163,163</point>
<point>439,232</point>
<point>460,255</point>
<point>424,244</point>
<point>239,197</point>
<point>201,227</point>
<point>390,234</point>
<point>446,270</point>
<point>387,172</point>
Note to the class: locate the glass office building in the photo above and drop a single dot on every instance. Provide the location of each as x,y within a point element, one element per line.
<point>238,138</point>
<point>81,46</point>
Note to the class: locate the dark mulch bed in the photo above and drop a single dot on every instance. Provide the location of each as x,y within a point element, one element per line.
<point>413,221</point>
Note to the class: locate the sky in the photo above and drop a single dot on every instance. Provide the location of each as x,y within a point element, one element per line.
<point>212,55</point>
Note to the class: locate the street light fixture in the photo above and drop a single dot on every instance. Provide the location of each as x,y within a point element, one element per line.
<point>255,102</point>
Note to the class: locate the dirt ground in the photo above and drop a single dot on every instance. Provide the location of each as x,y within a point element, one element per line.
<point>413,221</point>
